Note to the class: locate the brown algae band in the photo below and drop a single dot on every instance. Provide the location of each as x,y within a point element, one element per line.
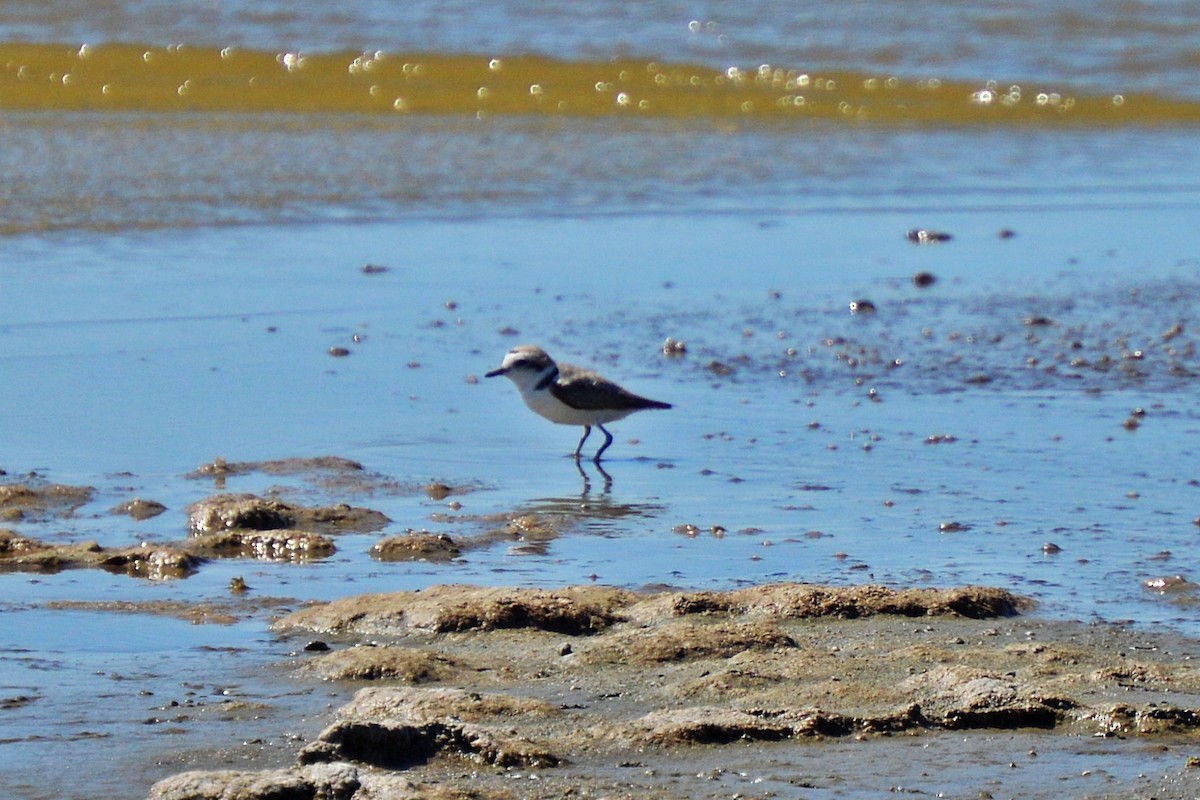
<point>131,77</point>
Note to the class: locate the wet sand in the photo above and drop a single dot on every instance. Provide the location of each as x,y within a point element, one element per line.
<point>782,690</point>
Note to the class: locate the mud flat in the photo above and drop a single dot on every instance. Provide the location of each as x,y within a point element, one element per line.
<point>781,690</point>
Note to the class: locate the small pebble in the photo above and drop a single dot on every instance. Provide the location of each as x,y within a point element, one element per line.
<point>675,348</point>
<point>924,236</point>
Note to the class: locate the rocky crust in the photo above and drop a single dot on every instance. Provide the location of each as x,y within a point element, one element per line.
<point>222,526</point>
<point>416,546</point>
<point>324,781</point>
<point>242,525</point>
<point>463,689</point>
<point>20,502</point>
<point>249,512</point>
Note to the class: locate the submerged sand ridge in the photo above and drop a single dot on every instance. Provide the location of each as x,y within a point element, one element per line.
<point>231,525</point>
<point>128,77</point>
<point>594,691</point>
<point>222,525</point>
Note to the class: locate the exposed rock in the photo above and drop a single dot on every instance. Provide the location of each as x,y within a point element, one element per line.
<point>718,725</point>
<point>161,560</point>
<point>314,782</point>
<point>146,561</point>
<point>438,490</point>
<point>243,511</point>
<point>331,473</point>
<point>20,501</point>
<point>341,518</point>
<point>399,728</point>
<point>250,512</point>
<point>706,725</point>
<point>286,545</point>
<point>14,546</point>
<point>681,640</point>
<point>497,678</point>
<point>442,609</point>
<point>803,600</point>
<point>220,468</point>
<point>400,664</point>
<point>19,701</point>
<point>139,509</point>
<point>436,703</point>
<point>818,723</point>
<point>926,236</point>
<point>1127,719</point>
<point>416,546</point>
<point>21,554</point>
<point>1133,674</point>
<point>538,527</point>
<point>585,610</point>
<point>958,697</point>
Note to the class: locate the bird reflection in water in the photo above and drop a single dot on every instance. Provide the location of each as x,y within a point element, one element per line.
<point>543,520</point>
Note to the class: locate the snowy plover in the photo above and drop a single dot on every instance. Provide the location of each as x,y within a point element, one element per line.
<point>570,395</point>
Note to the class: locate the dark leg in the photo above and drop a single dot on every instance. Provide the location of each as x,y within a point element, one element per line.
<point>587,429</point>
<point>603,447</point>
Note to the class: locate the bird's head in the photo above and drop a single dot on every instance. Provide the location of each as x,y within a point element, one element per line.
<point>524,365</point>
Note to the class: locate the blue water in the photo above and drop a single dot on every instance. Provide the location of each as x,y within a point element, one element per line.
<point>132,359</point>
<point>150,382</point>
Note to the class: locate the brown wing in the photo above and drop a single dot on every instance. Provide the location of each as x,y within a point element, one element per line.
<point>588,391</point>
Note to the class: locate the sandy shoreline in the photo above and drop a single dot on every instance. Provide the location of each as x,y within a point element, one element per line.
<point>589,691</point>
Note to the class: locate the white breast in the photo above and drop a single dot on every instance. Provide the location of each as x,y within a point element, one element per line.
<point>553,409</point>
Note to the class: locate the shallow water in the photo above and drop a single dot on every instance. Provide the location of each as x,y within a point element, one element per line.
<point>91,715</point>
<point>167,352</point>
<point>171,283</point>
<point>181,371</point>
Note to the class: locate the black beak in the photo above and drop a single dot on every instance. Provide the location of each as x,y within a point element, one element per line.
<point>495,372</point>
